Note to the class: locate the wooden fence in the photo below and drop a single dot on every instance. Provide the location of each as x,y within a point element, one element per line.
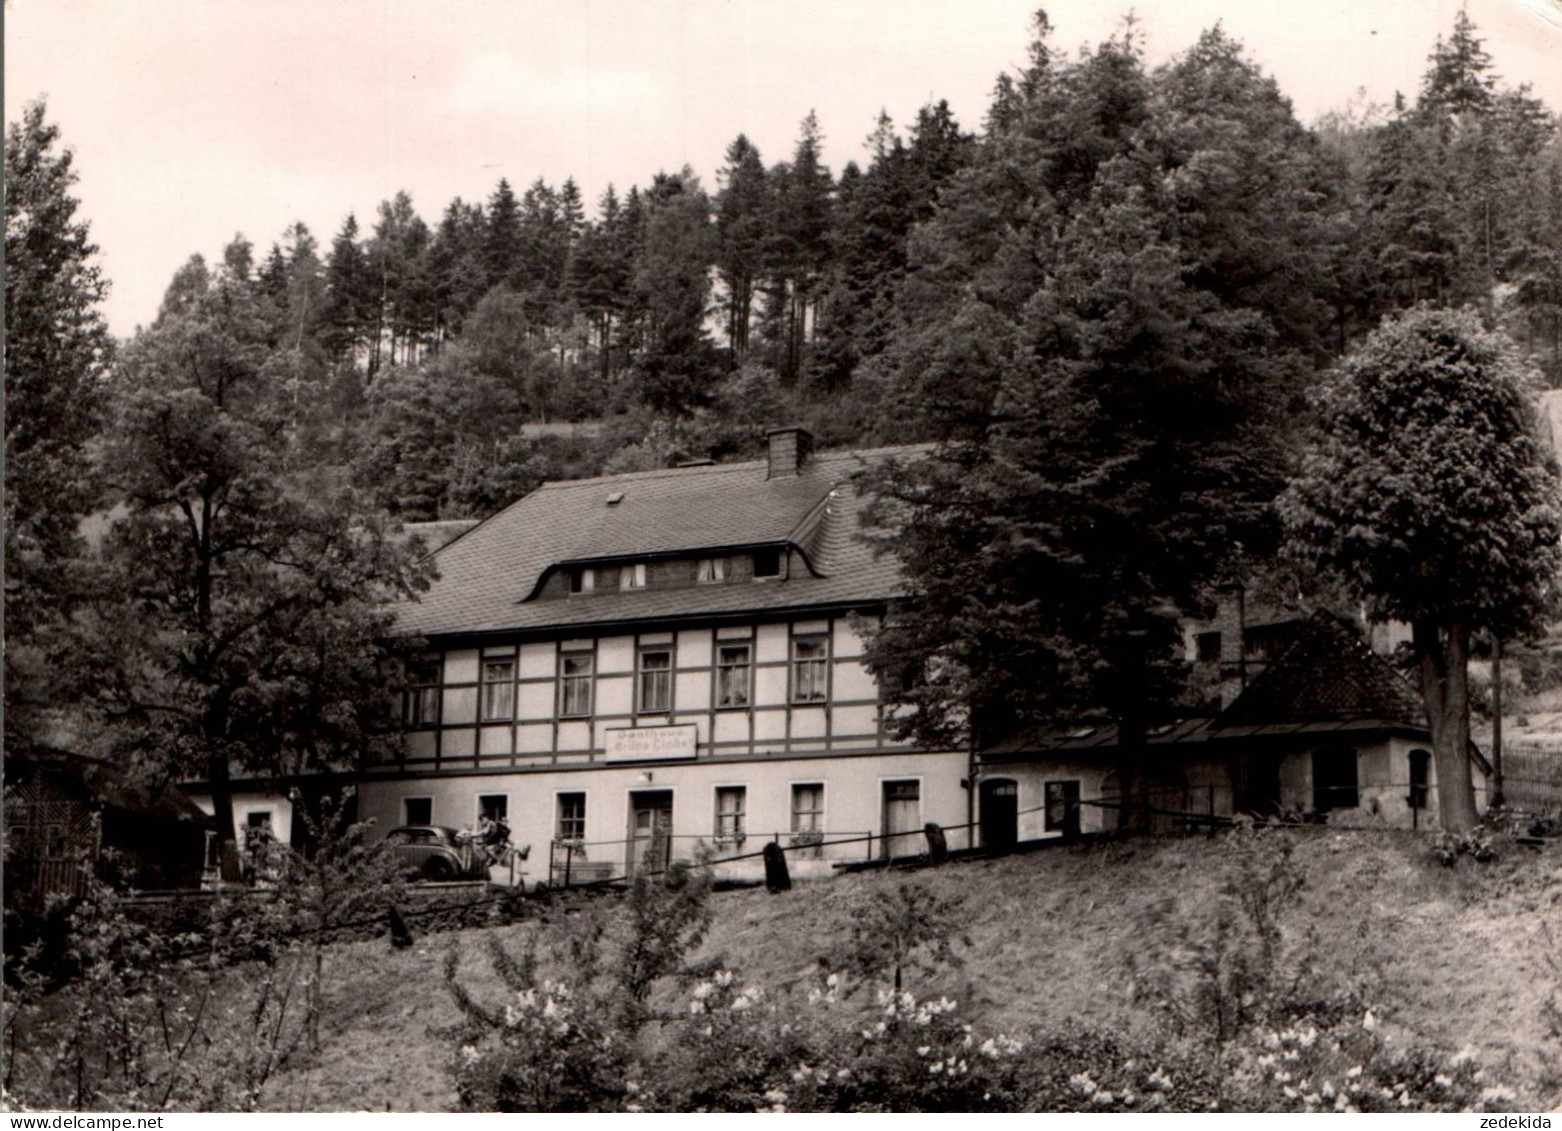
<point>1532,775</point>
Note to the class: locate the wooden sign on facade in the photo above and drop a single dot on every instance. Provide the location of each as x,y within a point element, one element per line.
<point>651,744</point>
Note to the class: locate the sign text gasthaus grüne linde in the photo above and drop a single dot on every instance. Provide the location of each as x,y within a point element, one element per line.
<point>650,744</point>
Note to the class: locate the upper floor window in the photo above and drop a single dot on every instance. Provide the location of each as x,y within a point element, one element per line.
<point>656,680</point>
<point>767,563</point>
<point>1208,645</point>
<point>1267,641</point>
<point>810,669</point>
<point>575,684</point>
<point>733,668</point>
<point>711,570</point>
<point>582,580</point>
<point>632,576</point>
<point>498,689</point>
<point>420,701</point>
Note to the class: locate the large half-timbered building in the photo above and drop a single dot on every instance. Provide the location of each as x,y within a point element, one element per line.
<point>642,662</point>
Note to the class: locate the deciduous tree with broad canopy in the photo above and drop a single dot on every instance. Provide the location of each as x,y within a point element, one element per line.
<point>1428,490</point>
<point>241,621</point>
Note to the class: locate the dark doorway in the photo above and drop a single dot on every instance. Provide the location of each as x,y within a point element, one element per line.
<point>902,818</point>
<point>1261,791</point>
<point>1000,824</point>
<point>650,829</point>
<point>1334,779</point>
<point>1420,777</point>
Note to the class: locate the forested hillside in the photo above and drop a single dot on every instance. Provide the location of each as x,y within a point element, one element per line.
<point>879,301</point>
<point>1114,300</point>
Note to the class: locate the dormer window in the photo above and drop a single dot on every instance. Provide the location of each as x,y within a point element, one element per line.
<point>632,576</point>
<point>767,564</point>
<point>711,570</point>
<point>582,580</point>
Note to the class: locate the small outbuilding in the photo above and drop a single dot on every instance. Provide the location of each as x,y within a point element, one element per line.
<point>66,812</point>
<point>1328,730</point>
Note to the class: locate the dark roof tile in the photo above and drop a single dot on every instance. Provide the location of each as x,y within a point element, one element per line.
<point>1327,674</point>
<point>489,575</point>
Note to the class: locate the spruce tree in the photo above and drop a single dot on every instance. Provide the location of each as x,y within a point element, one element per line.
<point>57,351</point>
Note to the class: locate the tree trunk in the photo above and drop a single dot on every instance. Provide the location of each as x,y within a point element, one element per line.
<point>1134,801</point>
<point>1497,800</point>
<point>222,813</point>
<point>1442,653</point>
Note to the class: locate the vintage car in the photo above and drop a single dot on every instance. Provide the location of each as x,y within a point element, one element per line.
<point>437,852</point>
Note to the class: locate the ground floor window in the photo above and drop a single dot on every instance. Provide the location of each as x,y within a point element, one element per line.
<point>1334,779</point>
<point>1062,801</point>
<point>731,803</point>
<point>572,816</point>
<point>808,808</point>
<point>417,810</point>
<point>494,806</point>
<point>257,828</point>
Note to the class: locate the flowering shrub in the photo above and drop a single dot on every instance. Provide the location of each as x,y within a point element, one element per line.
<point>138,1027</point>
<point>1251,1027</point>
<point>1349,1065</point>
<point>543,1051</point>
<point>820,1054</point>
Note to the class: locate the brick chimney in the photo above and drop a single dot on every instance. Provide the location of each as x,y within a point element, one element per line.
<point>789,450</point>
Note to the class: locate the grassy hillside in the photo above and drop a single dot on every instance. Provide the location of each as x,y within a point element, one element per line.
<point>1448,958</point>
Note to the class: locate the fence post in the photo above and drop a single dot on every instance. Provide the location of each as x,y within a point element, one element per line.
<point>1211,830</point>
<point>937,843</point>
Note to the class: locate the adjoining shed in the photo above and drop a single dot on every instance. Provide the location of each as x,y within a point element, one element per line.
<point>1328,730</point>
<point>64,812</point>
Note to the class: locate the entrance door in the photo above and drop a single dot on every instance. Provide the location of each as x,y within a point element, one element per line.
<point>1000,813</point>
<point>650,829</point>
<point>902,817</point>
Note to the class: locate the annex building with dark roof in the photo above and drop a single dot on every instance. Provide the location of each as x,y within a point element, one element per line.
<point>1327,729</point>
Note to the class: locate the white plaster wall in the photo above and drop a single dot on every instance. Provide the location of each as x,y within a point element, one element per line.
<point>280,808</point>
<point>853,799</point>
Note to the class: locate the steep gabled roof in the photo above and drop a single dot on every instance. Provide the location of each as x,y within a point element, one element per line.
<point>490,575</point>
<point>1328,674</point>
<point>1328,682</point>
<point>439,533</point>
<point>94,780</point>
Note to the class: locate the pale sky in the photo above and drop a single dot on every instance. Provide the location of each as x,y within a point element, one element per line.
<point>195,119</point>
